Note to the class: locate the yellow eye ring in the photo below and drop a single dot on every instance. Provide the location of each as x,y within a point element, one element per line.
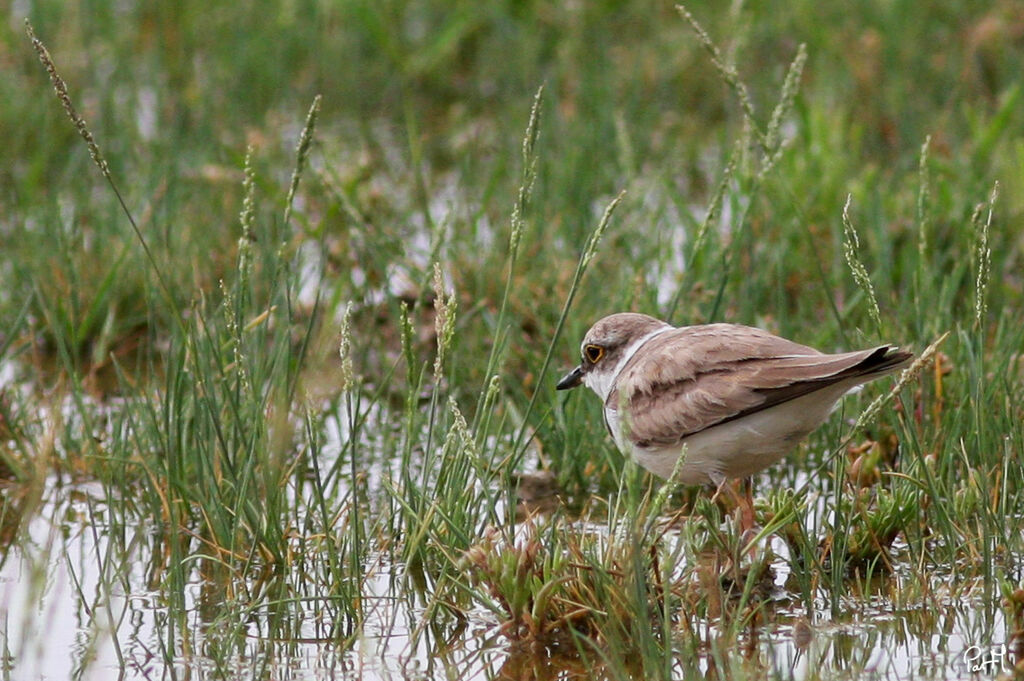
<point>593,353</point>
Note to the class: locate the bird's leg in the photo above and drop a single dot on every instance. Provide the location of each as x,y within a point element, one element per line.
<point>745,504</point>
<point>721,484</point>
<point>747,510</point>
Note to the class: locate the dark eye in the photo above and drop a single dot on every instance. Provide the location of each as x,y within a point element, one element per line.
<point>593,353</point>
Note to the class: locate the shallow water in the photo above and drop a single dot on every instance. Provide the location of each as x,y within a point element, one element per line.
<point>75,604</point>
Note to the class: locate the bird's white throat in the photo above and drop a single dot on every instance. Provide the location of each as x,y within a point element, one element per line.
<point>602,382</point>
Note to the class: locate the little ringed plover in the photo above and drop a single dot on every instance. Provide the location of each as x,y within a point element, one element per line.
<point>732,399</point>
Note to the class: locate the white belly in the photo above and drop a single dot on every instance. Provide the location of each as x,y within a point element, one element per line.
<point>735,449</point>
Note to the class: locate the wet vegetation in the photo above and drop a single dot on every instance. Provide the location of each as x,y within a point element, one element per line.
<point>288,289</point>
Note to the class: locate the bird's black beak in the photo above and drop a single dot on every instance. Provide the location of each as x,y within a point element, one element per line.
<point>571,379</point>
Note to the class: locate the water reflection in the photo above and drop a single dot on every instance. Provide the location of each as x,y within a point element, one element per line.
<point>86,598</point>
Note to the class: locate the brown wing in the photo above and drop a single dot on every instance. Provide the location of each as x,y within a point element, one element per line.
<point>696,377</point>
